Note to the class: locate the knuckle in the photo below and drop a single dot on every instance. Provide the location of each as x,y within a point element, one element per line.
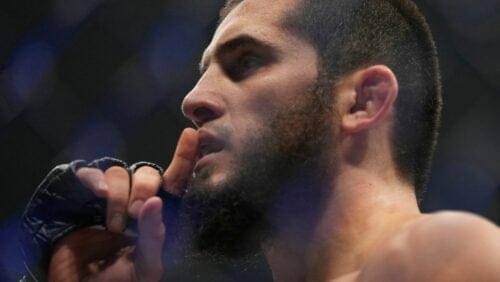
<point>83,170</point>
<point>117,171</point>
<point>88,172</point>
<point>144,186</point>
<point>91,178</point>
<point>146,181</point>
<point>147,171</point>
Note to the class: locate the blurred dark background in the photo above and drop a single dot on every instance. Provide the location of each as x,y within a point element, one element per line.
<point>81,79</point>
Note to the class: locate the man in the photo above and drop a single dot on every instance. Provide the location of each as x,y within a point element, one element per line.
<point>316,122</point>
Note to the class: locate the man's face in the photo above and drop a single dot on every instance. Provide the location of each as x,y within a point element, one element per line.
<point>253,70</point>
<point>260,118</point>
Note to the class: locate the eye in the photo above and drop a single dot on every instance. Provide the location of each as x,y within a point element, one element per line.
<point>249,62</point>
<point>245,65</point>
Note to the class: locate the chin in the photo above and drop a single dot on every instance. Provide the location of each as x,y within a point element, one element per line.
<point>221,219</point>
<point>209,179</point>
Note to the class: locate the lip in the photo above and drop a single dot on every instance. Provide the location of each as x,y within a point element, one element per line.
<point>209,145</point>
<point>204,161</point>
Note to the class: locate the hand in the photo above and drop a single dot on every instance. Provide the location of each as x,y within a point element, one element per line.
<point>108,255</point>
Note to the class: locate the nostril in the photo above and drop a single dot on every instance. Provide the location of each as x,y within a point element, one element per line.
<point>200,107</point>
<point>204,114</point>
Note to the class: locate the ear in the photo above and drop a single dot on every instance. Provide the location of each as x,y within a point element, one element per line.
<point>375,90</point>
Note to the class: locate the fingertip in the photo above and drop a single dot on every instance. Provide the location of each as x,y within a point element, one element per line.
<point>189,137</point>
<point>151,221</point>
<point>152,206</point>
<point>190,131</point>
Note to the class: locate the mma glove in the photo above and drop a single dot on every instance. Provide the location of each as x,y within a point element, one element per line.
<point>60,205</point>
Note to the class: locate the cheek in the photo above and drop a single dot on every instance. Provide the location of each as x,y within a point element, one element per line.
<point>260,108</point>
<point>249,131</point>
<point>266,94</point>
<point>250,117</point>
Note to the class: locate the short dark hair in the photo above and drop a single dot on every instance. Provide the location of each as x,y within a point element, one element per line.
<point>351,34</point>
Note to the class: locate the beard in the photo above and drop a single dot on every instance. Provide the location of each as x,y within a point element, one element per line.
<point>279,176</point>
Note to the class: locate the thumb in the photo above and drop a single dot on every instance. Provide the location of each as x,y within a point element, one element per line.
<point>149,266</point>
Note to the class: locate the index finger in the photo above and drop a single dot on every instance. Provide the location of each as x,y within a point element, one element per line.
<point>182,164</point>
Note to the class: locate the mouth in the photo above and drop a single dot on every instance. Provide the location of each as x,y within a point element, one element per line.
<point>207,149</point>
<point>209,145</point>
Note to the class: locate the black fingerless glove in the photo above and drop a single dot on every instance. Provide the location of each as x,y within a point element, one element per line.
<point>60,205</point>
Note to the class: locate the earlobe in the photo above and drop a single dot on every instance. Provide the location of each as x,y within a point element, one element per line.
<point>376,89</point>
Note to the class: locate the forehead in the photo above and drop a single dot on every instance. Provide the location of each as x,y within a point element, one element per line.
<point>272,11</point>
<point>257,18</point>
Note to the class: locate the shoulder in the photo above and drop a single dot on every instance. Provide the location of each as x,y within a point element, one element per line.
<point>445,246</point>
<point>456,227</point>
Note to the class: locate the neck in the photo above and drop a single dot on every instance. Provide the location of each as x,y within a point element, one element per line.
<point>356,217</point>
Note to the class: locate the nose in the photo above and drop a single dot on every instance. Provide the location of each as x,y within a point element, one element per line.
<point>203,104</point>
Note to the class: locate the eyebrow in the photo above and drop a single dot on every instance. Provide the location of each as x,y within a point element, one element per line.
<point>232,45</point>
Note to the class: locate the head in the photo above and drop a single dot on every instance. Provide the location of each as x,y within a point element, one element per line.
<point>352,35</point>
<point>265,106</point>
